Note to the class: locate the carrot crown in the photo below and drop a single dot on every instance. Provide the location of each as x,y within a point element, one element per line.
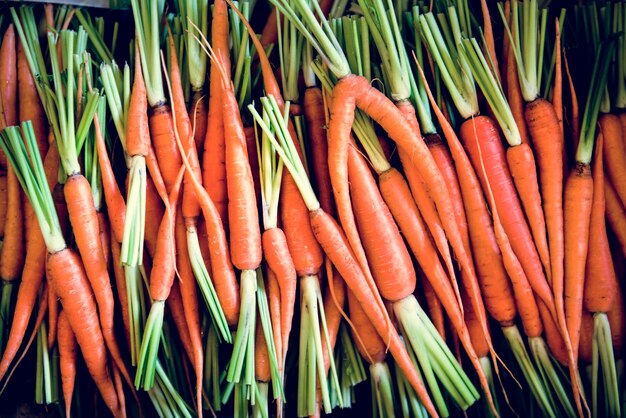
<point>147,15</point>
<point>271,172</point>
<point>453,66</point>
<point>599,77</point>
<point>196,11</point>
<point>290,46</point>
<point>96,35</point>
<point>64,102</point>
<point>22,152</point>
<point>492,90</point>
<point>117,89</point>
<point>318,33</point>
<point>282,142</point>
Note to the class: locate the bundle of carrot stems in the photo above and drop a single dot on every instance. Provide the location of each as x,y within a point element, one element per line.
<point>277,201</point>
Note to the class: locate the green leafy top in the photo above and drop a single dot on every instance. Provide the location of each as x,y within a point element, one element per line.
<point>318,33</point>
<point>20,147</point>
<point>492,90</point>
<point>599,78</point>
<point>69,126</point>
<point>147,15</point>
<point>197,12</point>
<point>442,42</point>
<point>528,40</point>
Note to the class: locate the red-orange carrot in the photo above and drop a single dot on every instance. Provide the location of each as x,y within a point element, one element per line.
<point>614,153</point>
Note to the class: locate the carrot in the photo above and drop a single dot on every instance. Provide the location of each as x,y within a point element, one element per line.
<point>600,288</point>
<point>67,360</point>
<point>3,202</point>
<point>154,210</point>
<point>577,214</point>
<point>116,207</point>
<point>495,286</point>
<point>543,125</point>
<point>161,282</point>
<point>12,252</point>
<point>368,342</point>
<point>476,335</point>
<point>190,304</point>
<point>514,95</point>
<point>8,82</point>
<point>315,118</point>
<point>83,218</point>
<point>53,317</point>
<point>334,243</point>
<point>513,221</point>
<point>557,95</point>
<point>615,214</point>
<point>392,267</point>
<point>177,312</point>
<point>601,285</point>
<point>213,159</point>
<point>614,152</point>
<point>618,325</point>
<point>280,263</point>
<point>120,286</point>
<point>69,281</point>
<point>276,318</point>
<point>30,103</point>
<point>32,277</point>
<point>586,337</point>
<point>435,308</point>
<point>334,301</point>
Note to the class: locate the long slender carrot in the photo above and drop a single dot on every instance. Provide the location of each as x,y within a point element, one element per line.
<point>615,214</point>
<point>120,287</point>
<point>614,153</point>
<point>67,360</point>
<point>12,252</point>
<point>213,163</point>
<point>8,82</point>
<point>369,343</point>
<point>53,317</point>
<point>435,309</point>
<point>30,105</point>
<point>3,202</point>
<point>177,311</point>
<point>32,277</point>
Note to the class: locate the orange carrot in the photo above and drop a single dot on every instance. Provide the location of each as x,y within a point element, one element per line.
<point>53,317</point>
<point>434,308</point>
<point>510,210</point>
<point>177,310</point>
<point>67,360</point>
<point>368,342</point>
<point>12,252</point>
<point>586,337</point>
<point>82,215</point>
<point>120,286</point>
<point>213,158</point>
<point>3,202</point>
<point>275,306</point>
<point>601,285</point>
<point>577,214</point>
<point>614,153</point>
<point>615,214</point>
<point>8,82</point>
<point>30,105</point>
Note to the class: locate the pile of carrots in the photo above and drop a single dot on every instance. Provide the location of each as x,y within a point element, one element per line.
<point>243,208</point>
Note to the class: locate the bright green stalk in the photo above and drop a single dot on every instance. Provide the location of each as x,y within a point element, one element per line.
<point>147,17</point>
<point>460,84</point>
<point>586,141</point>
<point>101,49</point>
<point>196,12</point>
<point>492,90</point>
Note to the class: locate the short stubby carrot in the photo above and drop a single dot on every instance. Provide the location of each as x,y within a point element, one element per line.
<point>165,148</point>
